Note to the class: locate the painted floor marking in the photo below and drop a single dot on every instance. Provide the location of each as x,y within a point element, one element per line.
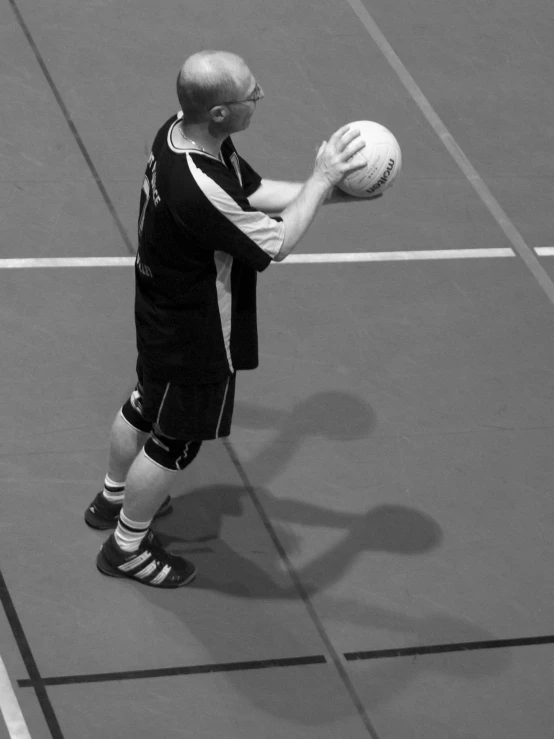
<point>66,262</point>
<point>492,205</point>
<point>10,708</point>
<point>397,256</point>
<point>331,258</point>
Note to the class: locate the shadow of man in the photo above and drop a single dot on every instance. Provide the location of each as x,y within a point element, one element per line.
<point>263,575</point>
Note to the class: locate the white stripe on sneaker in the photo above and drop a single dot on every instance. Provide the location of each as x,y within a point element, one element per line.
<point>148,570</point>
<point>160,577</point>
<point>135,562</point>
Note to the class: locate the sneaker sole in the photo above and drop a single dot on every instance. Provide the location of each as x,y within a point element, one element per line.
<point>106,568</point>
<point>102,524</point>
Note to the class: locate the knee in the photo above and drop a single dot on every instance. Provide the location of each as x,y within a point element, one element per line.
<point>132,413</point>
<point>171,454</point>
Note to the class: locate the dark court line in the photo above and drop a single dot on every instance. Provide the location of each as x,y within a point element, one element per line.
<point>445,648</point>
<point>104,677</point>
<point>302,592</point>
<point>29,661</point>
<point>73,128</point>
<point>38,681</point>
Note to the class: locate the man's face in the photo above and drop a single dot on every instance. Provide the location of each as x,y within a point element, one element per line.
<point>242,108</point>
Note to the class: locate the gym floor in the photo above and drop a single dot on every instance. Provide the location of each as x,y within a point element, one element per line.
<point>374,541</point>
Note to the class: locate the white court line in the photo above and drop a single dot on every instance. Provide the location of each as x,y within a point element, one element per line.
<point>397,256</point>
<point>492,205</point>
<point>332,258</point>
<point>9,706</point>
<point>66,262</point>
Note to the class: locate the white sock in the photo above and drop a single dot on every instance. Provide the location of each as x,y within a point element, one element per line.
<point>113,491</point>
<point>129,534</point>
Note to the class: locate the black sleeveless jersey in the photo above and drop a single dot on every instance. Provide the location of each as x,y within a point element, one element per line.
<point>200,247</point>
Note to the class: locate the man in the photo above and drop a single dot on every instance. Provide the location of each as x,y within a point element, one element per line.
<point>204,230</point>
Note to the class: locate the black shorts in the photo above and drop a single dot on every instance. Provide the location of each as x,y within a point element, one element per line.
<point>191,412</point>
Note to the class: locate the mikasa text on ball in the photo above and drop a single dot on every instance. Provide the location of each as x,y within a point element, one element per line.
<point>383,161</point>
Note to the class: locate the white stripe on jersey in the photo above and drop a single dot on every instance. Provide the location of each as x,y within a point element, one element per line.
<point>264,231</point>
<point>223,265</point>
<point>236,166</point>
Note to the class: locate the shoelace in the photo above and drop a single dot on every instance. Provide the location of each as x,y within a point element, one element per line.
<point>159,554</point>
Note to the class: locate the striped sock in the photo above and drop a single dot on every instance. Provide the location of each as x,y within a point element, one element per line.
<point>113,491</point>
<point>129,534</point>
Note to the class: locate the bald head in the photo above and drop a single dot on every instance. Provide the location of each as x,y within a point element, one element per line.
<point>206,79</point>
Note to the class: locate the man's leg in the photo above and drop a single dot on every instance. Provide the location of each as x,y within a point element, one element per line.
<point>133,550</point>
<point>130,431</point>
<point>151,475</point>
<point>147,486</point>
<point>185,415</point>
<point>125,444</point>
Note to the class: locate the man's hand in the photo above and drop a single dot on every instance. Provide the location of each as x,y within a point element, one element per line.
<point>335,158</point>
<point>338,196</point>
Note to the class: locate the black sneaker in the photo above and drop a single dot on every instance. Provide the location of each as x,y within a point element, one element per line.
<point>101,514</point>
<point>150,564</point>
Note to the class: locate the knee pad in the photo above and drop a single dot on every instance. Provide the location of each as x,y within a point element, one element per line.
<point>132,413</point>
<point>171,454</point>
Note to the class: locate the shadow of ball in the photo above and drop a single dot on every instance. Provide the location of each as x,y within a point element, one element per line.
<point>334,415</point>
<point>401,530</point>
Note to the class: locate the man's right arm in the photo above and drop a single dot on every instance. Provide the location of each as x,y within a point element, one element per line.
<point>334,161</point>
<point>298,216</point>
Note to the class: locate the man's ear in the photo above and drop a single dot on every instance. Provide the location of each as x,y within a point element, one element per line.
<point>219,113</point>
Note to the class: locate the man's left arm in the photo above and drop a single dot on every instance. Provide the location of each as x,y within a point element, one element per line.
<point>273,196</point>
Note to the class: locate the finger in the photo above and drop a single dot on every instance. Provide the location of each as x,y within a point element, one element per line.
<point>354,166</point>
<point>355,146</point>
<point>353,135</point>
<point>343,136</point>
<point>320,150</point>
<point>340,132</point>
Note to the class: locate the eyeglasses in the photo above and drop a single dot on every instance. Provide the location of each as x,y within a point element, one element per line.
<point>257,94</point>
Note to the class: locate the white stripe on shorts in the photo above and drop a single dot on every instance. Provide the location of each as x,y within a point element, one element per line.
<point>222,407</point>
<point>162,405</point>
